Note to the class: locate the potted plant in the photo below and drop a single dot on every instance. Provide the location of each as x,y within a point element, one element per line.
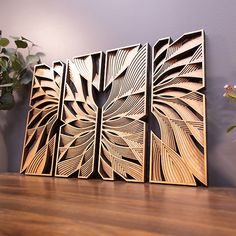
<point>16,67</point>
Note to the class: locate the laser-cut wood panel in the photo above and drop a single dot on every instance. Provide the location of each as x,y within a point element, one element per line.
<point>42,124</point>
<point>122,150</point>
<point>114,137</point>
<point>78,134</point>
<point>179,155</point>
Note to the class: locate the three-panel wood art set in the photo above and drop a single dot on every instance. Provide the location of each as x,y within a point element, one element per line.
<point>121,115</point>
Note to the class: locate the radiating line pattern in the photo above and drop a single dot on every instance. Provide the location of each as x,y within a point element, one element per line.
<point>179,155</point>
<point>76,152</point>
<point>42,124</point>
<point>122,149</point>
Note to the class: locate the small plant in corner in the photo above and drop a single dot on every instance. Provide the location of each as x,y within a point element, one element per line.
<point>16,67</point>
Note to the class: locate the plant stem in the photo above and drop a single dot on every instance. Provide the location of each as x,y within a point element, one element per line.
<point>5,85</point>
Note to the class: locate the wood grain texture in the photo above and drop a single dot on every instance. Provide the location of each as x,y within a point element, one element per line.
<point>178,156</point>
<point>31,205</point>
<point>80,117</point>
<point>41,133</point>
<point>122,146</point>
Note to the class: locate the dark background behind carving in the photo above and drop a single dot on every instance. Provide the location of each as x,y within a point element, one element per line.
<point>68,28</point>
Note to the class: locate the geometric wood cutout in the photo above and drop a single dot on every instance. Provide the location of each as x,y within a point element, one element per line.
<point>178,156</point>
<point>80,117</point>
<point>122,149</point>
<point>83,123</point>
<point>42,124</point>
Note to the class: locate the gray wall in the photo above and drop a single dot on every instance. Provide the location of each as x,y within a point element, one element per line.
<point>67,28</point>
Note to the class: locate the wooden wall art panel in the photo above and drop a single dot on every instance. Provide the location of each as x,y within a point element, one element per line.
<point>178,156</point>
<point>122,149</point>
<point>80,117</point>
<point>83,123</point>
<point>42,124</point>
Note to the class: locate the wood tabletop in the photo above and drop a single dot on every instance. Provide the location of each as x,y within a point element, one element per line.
<point>32,205</point>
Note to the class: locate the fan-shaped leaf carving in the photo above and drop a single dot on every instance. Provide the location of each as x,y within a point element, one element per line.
<point>179,155</point>
<point>42,125</point>
<point>123,132</point>
<point>76,153</point>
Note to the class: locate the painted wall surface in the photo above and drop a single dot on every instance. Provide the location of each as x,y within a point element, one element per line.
<point>68,28</point>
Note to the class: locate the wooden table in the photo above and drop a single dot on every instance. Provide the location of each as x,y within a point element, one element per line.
<point>54,206</point>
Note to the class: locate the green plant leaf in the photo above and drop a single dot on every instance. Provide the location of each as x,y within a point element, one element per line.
<point>16,65</point>
<point>16,68</point>
<point>7,101</point>
<point>21,58</point>
<point>4,58</point>
<point>3,63</point>
<point>32,59</point>
<point>5,77</point>
<point>21,44</point>
<point>26,78</point>
<point>231,128</point>
<point>4,42</point>
<point>9,51</point>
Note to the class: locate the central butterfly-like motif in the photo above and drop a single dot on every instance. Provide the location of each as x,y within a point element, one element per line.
<point>75,130</point>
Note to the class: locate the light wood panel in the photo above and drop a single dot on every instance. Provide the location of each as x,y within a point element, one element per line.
<point>122,148</point>
<point>111,138</point>
<point>178,156</point>
<point>80,117</point>
<point>42,124</point>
